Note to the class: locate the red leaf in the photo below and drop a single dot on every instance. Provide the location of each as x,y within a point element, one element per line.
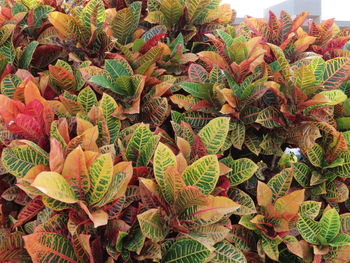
<point>198,148</point>
<point>151,42</point>
<point>29,211</point>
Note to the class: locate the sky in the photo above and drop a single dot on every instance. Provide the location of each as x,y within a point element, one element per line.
<point>338,9</point>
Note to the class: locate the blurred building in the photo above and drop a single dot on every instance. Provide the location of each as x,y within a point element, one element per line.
<point>319,9</point>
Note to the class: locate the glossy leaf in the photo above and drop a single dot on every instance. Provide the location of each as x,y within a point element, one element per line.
<point>55,186</point>
<point>214,134</point>
<point>186,250</point>
<point>49,247</point>
<point>151,225</point>
<point>100,172</point>
<point>203,173</point>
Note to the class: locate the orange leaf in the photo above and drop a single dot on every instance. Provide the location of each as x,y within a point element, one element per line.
<point>264,194</point>
<point>76,173</point>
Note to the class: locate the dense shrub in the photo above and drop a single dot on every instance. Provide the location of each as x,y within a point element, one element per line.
<point>157,131</point>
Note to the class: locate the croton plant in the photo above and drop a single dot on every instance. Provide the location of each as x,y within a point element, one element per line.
<point>160,131</point>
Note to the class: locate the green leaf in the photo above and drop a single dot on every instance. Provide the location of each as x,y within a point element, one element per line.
<point>185,251</point>
<point>340,240</point>
<point>49,247</point>
<point>280,183</point>
<point>270,247</point>
<point>122,25</point>
<point>252,142</point>
<point>318,66</point>
<point>172,11</point>
<point>197,90</point>
<point>189,196</point>
<point>209,235</point>
<point>242,170</point>
<point>40,13</point>
<point>309,229</point>
<point>152,56</point>
<point>330,225</point>
<point>135,240</point>
<point>337,71</point>
<point>5,32</point>
<point>237,134</point>
<point>156,17</point>
<point>344,169</point>
<point>20,159</point>
<point>302,174</point>
<point>315,155</point>
<point>147,151</point>
<point>227,253</point>
<point>87,98</point>
<point>310,209</point>
<point>270,118</point>
<point>118,68</point>
<point>31,3</point>
<point>100,171</point>
<point>242,237</point>
<point>8,50</point>
<point>138,141</point>
<point>305,80</point>
<point>136,8</point>
<point>152,225</point>
<point>93,14</point>
<point>108,106</point>
<point>103,82</point>
<point>55,186</point>
<point>163,158</point>
<point>9,85</point>
<point>203,173</point>
<point>246,202</point>
<point>156,110</point>
<point>282,61</point>
<point>27,55</point>
<point>214,134</point>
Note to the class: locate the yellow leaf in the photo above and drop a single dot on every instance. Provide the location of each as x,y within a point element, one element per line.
<point>217,207</point>
<point>55,186</point>
<point>64,24</point>
<point>83,125</point>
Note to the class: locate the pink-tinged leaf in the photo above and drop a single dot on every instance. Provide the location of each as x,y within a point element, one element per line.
<point>214,59</point>
<point>56,156</point>
<point>197,73</point>
<point>12,248</point>
<point>9,108</point>
<point>49,247</point>
<point>98,217</point>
